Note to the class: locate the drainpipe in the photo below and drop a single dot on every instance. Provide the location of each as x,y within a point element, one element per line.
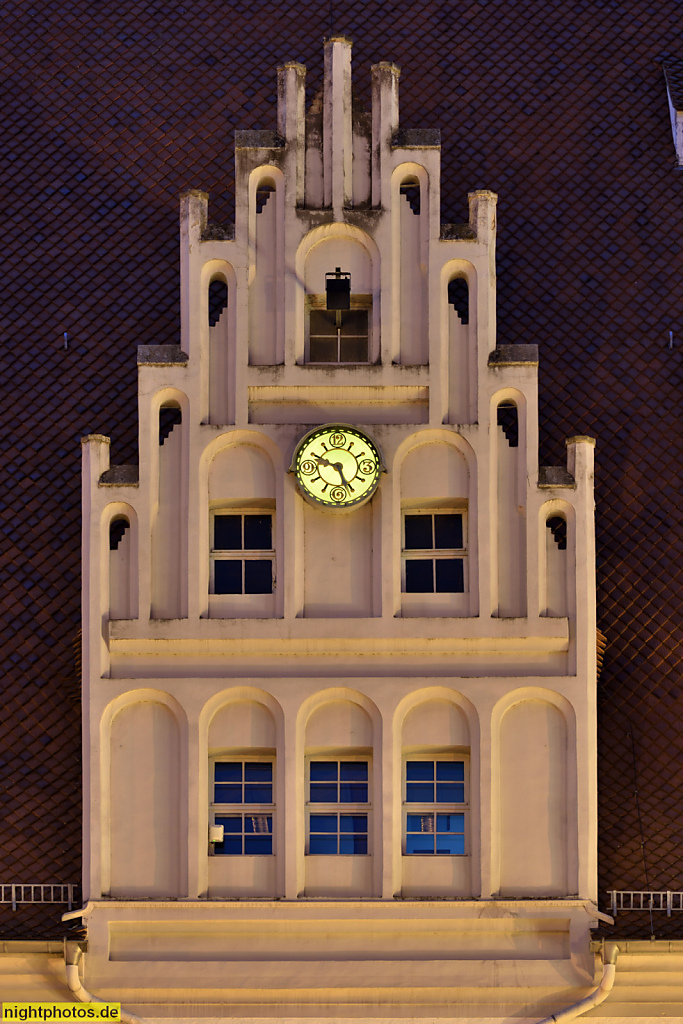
<point>72,958</point>
<point>609,969</point>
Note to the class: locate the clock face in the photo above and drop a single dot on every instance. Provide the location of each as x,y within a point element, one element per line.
<point>337,466</point>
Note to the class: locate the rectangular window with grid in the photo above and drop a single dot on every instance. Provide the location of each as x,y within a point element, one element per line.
<point>242,555</point>
<point>435,806</point>
<point>434,553</point>
<point>338,336</point>
<point>338,807</point>
<point>243,804</point>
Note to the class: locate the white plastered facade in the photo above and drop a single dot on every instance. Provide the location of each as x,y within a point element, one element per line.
<point>338,660</point>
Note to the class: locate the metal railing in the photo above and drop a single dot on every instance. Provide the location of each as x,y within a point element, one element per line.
<point>31,892</point>
<point>629,899</point>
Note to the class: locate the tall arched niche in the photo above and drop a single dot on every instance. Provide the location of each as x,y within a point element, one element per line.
<point>339,732</point>
<point>435,531</point>
<point>435,732</point>
<point>144,789</point>
<point>242,734</point>
<point>535,830</point>
<point>337,337</point>
<point>242,532</point>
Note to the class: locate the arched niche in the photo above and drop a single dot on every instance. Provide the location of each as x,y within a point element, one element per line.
<point>120,531</point>
<point>459,338</point>
<point>342,251</point>
<point>242,734</point>
<point>339,725</point>
<point>144,787</point>
<point>557,558</point>
<point>342,336</point>
<point>219,291</point>
<point>434,470</point>
<point>239,472</point>
<point>435,732</point>
<point>242,725</point>
<point>535,830</point>
<point>266,271</point>
<point>242,533</point>
<point>410,223</point>
<point>170,411</point>
<point>338,733</point>
<point>436,724</point>
<point>436,551</point>
<point>508,436</point>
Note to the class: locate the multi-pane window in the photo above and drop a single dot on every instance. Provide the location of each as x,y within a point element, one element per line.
<point>243,805</point>
<point>242,554</point>
<point>338,336</point>
<point>338,807</point>
<point>435,807</point>
<point>434,553</point>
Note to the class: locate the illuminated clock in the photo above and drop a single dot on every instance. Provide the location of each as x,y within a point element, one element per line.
<point>337,466</point>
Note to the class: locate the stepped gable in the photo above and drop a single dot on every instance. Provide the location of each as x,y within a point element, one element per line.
<point>111,111</point>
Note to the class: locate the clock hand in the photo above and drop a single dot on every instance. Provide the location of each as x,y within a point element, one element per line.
<point>334,465</point>
<point>338,467</point>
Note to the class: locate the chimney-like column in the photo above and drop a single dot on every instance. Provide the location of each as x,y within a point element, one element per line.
<point>337,125</point>
<point>291,125</point>
<point>384,123</point>
<point>194,215</point>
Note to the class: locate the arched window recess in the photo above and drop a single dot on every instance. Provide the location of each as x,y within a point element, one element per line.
<point>459,298</point>
<point>558,528</point>
<point>339,333</point>
<point>508,420</point>
<point>218,300</point>
<point>410,189</point>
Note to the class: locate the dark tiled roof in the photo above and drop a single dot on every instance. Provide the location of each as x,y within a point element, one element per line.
<point>111,109</point>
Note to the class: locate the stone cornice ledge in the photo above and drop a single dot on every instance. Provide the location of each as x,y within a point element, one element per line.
<point>332,637</point>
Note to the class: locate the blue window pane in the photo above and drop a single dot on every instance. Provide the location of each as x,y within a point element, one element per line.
<point>255,845</point>
<point>450,823</point>
<point>227,794</point>
<point>233,824</point>
<point>258,771</point>
<point>324,793</point>
<point>228,771</point>
<point>353,792</point>
<point>353,844</point>
<point>323,823</point>
<point>353,771</point>
<point>450,793</point>
<point>353,823</point>
<point>256,794</point>
<point>228,577</point>
<point>322,844</point>
<point>450,771</point>
<point>258,824</point>
<point>419,844</point>
<point>232,845</point>
<point>420,792</point>
<point>452,846</point>
<point>419,771</point>
<point>323,771</point>
<point>420,823</point>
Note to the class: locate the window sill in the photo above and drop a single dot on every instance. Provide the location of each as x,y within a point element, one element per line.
<point>241,606</point>
<point>435,605</point>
